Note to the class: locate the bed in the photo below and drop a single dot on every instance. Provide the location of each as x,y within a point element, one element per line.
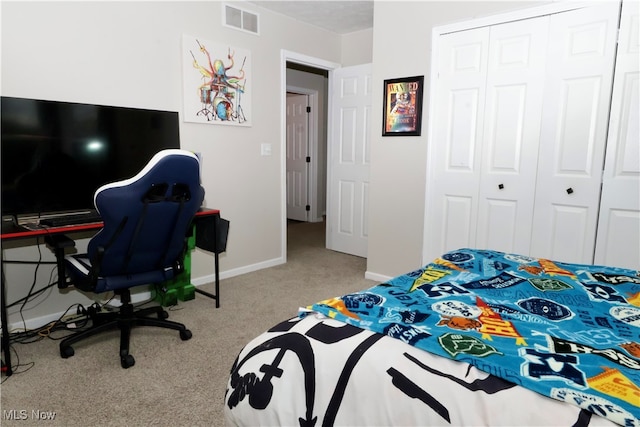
<point>476,337</point>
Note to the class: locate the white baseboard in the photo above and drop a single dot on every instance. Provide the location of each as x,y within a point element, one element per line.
<point>34,323</point>
<point>377,277</point>
<point>203,280</point>
<point>138,296</point>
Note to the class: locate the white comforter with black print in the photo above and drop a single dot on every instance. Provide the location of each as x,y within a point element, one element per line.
<point>319,371</point>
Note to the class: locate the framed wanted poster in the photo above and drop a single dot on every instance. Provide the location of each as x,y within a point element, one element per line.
<point>402,114</point>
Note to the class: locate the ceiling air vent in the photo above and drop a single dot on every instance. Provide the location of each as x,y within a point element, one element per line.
<point>240,19</point>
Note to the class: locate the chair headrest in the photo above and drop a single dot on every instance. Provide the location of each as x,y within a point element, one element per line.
<point>155,160</point>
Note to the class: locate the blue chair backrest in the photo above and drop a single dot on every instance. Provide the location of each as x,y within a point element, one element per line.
<point>147,217</point>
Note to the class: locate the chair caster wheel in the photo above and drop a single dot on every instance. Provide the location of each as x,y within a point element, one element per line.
<point>163,315</point>
<point>185,335</point>
<point>127,361</point>
<point>66,352</point>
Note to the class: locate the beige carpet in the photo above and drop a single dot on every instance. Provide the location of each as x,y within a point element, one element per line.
<point>174,382</point>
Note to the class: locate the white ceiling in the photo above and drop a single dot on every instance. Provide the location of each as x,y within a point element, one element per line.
<point>341,17</point>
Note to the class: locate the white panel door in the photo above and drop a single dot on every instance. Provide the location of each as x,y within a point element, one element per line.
<point>618,240</point>
<point>297,149</point>
<point>513,106</point>
<point>349,154</point>
<point>573,133</point>
<point>452,204</point>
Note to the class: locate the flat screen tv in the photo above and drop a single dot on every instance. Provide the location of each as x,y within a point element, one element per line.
<point>55,155</point>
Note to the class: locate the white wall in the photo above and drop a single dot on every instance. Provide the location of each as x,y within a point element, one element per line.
<point>357,48</point>
<point>129,54</point>
<point>402,39</point>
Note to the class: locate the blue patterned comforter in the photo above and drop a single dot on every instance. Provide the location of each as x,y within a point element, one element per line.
<point>567,331</point>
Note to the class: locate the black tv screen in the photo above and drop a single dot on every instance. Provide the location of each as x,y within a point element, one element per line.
<point>55,155</point>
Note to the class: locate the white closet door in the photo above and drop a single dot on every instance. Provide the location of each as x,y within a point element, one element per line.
<point>452,204</point>
<point>618,241</point>
<point>573,134</point>
<point>515,85</point>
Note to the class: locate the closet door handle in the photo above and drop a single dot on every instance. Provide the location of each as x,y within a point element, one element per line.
<point>569,190</point>
<point>501,186</point>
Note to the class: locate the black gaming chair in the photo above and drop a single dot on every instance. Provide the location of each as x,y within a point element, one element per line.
<point>143,241</point>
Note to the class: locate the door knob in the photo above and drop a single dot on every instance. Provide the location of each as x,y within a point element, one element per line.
<point>569,190</point>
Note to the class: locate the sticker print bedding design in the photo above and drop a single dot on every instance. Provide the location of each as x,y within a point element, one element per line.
<point>567,331</point>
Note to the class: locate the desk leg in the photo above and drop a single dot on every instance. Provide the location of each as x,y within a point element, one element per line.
<point>216,266</point>
<point>217,269</point>
<point>6,345</point>
<point>217,283</point>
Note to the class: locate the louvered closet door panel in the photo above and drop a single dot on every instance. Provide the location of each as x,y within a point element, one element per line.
<point>618,240</point>
<point>573,134</point>
<point>515,85</point>
<point>459,114</point>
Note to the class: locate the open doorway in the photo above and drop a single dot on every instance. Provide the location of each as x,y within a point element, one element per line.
<point>306,140</point>
<point>346,162</point>
<point>306,148</point>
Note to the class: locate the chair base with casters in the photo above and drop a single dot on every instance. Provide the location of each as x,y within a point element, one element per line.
<point>124,319</point>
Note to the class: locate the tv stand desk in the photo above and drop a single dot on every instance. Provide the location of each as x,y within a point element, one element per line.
<point>208,219</point>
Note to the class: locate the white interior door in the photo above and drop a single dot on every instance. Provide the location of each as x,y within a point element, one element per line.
<point>513,106</point>
<point>349,158</point>
<point>574,131</point>
<point>618,241</point>
<point>297,152</point>
<point>454,166</point>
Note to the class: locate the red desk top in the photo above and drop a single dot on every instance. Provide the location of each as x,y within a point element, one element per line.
<point>23,233</point>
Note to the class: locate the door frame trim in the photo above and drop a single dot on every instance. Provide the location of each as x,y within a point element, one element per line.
<point>298,58</point>
<point>510,16</point>
<point>436,33</point>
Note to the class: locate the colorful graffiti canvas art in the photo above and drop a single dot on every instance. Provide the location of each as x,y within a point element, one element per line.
<point>217,86</point>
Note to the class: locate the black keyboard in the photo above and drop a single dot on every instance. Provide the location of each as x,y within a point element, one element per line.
<point>71,219</point>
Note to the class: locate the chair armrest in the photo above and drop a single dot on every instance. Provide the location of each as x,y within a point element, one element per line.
<point>58,243</point>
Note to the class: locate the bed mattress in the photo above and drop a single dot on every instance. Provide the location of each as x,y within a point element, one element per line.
<point>476,337</point>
